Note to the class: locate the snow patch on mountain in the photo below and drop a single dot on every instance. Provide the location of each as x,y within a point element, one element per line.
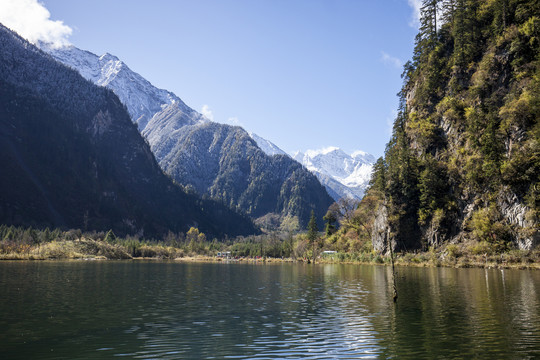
<point>342,174</point>
<point>142,99</point>
<point>267,146</point>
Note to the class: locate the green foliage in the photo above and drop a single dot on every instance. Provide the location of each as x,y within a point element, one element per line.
<point>312,229</point>
<point>467,130</point>
<point>290,224</point>
<point>453,251</point>
<point>330,226</point>
<point>434,189</point>
<point>110,237</point>
<point>487,226</point>
<point>378,176</point>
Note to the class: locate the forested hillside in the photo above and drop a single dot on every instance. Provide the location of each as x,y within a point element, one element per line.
<point>72,158</point>
<point>224,162</point>
<point>218,161</point>
<point>463,162</point>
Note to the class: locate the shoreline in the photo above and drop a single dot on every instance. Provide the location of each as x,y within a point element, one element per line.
<point>524,264</point>
<point>93,250</point>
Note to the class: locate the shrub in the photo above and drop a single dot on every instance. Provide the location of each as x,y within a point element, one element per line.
<point>453,251</point>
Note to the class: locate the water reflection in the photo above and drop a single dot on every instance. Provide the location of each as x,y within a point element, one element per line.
<point>167,310</point>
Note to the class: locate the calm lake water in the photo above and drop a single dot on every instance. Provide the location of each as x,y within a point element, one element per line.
<point>171,310</point>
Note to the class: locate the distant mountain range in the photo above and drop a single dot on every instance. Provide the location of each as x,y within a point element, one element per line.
<point>72,157</point>
<point>342,174</point>
<point>220,161</point>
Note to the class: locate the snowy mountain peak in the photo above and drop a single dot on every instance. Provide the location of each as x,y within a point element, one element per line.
<point>142,99</point>
<point>108,57</point>
<point>343,175</point>
<point>324,151</point>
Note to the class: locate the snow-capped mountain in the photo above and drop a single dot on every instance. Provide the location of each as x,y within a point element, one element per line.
<point>216,160</point>
<point>342,174</point>
<point>142,99</point>
<point>71,157</point>
<point>267,146</point>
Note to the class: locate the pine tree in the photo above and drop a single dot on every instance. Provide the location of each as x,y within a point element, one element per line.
<point>378,177</point>
<point>313,233</point>
<point>331,219</point>
<point>428,19</point>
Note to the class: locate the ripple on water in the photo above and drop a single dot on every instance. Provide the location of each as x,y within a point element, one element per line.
<point>172,310</point>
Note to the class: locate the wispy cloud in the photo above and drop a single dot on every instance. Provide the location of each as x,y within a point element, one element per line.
<point>390,60</point>
<point>207,112</point>
<point>31,20</point>
<point>416,5</point>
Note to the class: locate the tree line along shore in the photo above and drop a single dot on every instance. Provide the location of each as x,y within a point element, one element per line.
<point>32,244</point>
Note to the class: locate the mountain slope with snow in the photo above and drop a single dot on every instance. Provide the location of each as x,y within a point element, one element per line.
<point>342,174</point>
<point>224,162</point>
<point>142,99</point>
<point>267,146</point>
<point>72,157</point>
<point>220,161</point>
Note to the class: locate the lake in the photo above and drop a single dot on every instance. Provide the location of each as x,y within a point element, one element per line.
<point>174,310</point>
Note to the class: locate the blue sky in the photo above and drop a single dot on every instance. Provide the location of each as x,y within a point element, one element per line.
<point>304,74</point>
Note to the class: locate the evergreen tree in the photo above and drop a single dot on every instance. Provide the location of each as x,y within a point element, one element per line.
<point>313,233</point>
<point>378,177</point>
<point>331,220</point>
<point>313,230</point>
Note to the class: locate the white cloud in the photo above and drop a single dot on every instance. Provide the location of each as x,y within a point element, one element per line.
<point>416,5</point>
<point>390,60</point>
<point>31,20</point>
<point>207,112</point>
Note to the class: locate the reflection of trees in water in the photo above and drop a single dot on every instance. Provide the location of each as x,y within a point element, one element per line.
<point>150,308</point>
<point>444,312</point>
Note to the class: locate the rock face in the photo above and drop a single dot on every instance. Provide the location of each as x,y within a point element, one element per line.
<point>343,175</point>
<point>380,235</point>
<point>516,213</point>
<point>72,157</point>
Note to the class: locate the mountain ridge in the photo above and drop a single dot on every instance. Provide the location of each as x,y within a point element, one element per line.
<point>142,99</point>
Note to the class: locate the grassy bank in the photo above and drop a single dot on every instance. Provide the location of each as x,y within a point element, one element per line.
<point>512,259</point>
<point>30,244</point>
<point>88,249</point>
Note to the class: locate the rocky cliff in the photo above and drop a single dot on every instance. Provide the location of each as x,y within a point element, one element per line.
<point>463,161</point>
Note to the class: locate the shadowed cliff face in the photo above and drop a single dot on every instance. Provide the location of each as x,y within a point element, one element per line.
<point>75,159</point>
